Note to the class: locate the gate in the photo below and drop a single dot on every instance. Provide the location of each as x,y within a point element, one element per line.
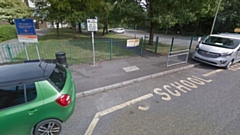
<point>177,57</point>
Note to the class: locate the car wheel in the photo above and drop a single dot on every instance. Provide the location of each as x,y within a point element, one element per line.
<point>48,127</point>
<point>228,65</point>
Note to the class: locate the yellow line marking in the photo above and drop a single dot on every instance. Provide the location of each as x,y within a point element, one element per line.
<point>113,109</point>
<point>213,72</point>
<point>143,108</point>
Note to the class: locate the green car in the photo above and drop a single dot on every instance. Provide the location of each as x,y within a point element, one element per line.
<point>35,98</point>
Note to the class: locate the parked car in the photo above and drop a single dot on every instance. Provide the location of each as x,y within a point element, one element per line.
<point>119,30</point>
<point>35,98</point>
<point>221,50</point>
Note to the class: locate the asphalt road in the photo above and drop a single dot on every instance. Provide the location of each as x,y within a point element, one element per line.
<point>200,101</point>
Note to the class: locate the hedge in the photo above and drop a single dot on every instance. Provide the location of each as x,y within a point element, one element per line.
<point>7,32</point>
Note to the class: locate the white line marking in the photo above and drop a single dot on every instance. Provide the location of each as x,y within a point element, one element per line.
<point>113,109</point>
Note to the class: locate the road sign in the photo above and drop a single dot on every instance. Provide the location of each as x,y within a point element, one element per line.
<point>92,24</point>
<point>26,30</point>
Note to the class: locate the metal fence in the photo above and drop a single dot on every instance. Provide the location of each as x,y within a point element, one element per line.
<point>177,57</point>
<point>77,51</point>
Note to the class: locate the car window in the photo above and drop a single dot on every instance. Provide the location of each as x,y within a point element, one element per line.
<point>11,96</point>
<point>58,77</point>
<point>15,95</point>
<point>221,42</point>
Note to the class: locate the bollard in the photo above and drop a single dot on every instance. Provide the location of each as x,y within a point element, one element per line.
<point>61,58</point>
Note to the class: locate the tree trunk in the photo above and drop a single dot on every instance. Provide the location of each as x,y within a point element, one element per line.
<point>107,29</point>
<point>104,29</point>
<point>26,1</point>
<point>79,28</point>
<point>151,33</point>
<point>103,32</point>
<point>57,29</point>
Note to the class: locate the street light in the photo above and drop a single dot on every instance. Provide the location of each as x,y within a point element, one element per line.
<point>219,2</point>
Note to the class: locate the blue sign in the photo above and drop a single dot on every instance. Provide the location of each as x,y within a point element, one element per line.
<point>26,30</point>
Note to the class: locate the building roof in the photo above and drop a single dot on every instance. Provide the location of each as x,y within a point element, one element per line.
<point>25,72</point>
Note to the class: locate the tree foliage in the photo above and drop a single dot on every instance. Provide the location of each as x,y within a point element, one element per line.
<point>229,17</point>
<point>164,14</point>
<point>10,9</point>
<point>58,11</point>
<point>152,14</point>
<point>101,10</point>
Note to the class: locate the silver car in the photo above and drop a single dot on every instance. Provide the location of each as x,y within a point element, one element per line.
<point>221,50</point>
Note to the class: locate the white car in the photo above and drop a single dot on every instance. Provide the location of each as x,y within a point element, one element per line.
<point>119,30</point>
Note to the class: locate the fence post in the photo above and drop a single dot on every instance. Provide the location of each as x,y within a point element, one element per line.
<point>156,46</point>
<point>70,51</point>
<point>141,47</point>
<point>9,53</point>
<point>172,44</point>
<point>190,46</point>
<point>111,49</point>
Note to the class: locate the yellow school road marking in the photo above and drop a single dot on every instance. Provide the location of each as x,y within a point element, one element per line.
<point>166,93</point>
<point>113,109</point>
<point>143,108</point>
<point>212,72</point>
<point>234,67</point>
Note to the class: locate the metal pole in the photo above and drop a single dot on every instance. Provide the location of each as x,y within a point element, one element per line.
<point>93,48</point>
<point>25,48</point>
<point>171,45</point>
<point>215,17</point>
<point>38,52</point>
<point>111,49</point>
<point>141,46</point>
<point>135,31</point>
<point>156,46</point>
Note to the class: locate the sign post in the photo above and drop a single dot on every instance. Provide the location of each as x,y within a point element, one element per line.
<point>92,26</point>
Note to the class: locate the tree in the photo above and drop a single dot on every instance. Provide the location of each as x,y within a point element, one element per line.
<point>10,9</point>
<point>101,10</point>
<point>229,17</point>
<point>162,13</point>
<point>57,11</point>
<point>130,12</point>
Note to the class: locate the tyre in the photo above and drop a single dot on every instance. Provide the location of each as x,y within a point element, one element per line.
<point>48,127</point>
<point>228,65</point>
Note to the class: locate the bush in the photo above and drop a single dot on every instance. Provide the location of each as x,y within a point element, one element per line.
<point>7,32</point>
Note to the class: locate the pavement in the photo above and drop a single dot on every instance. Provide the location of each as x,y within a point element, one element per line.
<point>103,76</point>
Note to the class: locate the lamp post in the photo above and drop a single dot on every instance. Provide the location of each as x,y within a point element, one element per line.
<point>215,17</point>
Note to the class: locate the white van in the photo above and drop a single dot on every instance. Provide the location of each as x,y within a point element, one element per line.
<point>221,50</point>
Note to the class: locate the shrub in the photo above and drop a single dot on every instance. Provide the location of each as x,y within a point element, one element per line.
<point>7,32</point>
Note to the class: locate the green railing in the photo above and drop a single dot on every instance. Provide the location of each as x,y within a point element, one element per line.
<point>77,51</point>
